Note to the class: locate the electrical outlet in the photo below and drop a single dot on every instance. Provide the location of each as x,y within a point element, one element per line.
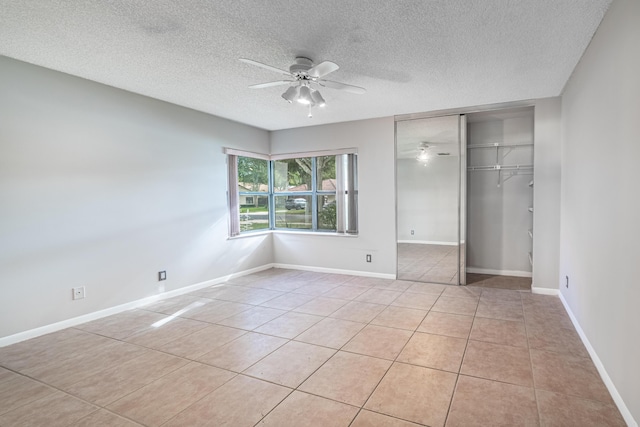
<point>78,293</point>
<point>162,275</point>
<point>412,232</point>
<point>566,281</point>
<point>368,257</point>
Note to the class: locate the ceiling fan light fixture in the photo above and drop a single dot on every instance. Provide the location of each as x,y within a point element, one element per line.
<point>317,98</point>
<point>423,156</point>
<point>290,94</point>
<point>304,97</point>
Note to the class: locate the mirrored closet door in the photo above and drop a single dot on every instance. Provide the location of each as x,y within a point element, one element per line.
<point>430,190</point>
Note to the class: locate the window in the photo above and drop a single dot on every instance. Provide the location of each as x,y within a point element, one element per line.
<point>293,192</point>
<point>253,193</point>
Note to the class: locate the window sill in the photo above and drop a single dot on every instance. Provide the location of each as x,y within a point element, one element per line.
<point>313,233</point>
<point>291,232</point>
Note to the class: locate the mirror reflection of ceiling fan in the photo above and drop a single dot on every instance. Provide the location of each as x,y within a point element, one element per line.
<point>304,79</point>
<point>424,151</point>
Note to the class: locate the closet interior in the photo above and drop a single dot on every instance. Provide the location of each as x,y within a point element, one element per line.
<point>500,194</point>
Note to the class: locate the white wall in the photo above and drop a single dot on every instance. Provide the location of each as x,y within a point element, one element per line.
<point>600,203</point>
<point>103,188</point>
<point>546,194</point>
<point>498,217</point>
<point>374,140</point>
<point>428,199</point>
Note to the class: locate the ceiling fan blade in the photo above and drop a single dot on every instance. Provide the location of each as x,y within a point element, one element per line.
<point>322,69</point>
<point>270,84</point>
<point>265,66</point>
<point>342,86</point>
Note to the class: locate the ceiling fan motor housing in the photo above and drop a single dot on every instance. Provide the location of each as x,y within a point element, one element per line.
<point>301,66</point>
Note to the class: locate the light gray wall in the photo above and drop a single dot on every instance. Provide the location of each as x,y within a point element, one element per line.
<point>103,188</point>
<point>600,198</point>
<point>546,194</point>
<point>498,217</point>
<point>374,140</point>
<point>428,199</point>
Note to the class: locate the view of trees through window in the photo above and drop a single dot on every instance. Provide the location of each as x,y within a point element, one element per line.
<point>253,192</point>
<point>297,193</point>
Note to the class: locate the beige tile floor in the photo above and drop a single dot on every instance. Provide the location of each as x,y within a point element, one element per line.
<point>499,282</point>
<point>287,348</point>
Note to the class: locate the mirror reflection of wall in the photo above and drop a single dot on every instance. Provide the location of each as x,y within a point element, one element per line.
<point>428,185</point>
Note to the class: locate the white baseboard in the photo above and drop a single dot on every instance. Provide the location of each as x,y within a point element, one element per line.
<point>544,291</point>
<point>624,411</point>
<point>53,327</point>
<point>515,273</point>
<point>335,271</point>
<point>429,242</point>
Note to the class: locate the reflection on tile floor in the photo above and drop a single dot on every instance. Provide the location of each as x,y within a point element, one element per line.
<point>437,264</point>
<point>428,263</point>
<point>287,348</point>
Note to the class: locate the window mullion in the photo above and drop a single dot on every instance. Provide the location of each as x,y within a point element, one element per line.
<point>233,197</point>
<point>340,194</point>
<point>352,194</point>
<point>314,198</point>
<point>272,199</point>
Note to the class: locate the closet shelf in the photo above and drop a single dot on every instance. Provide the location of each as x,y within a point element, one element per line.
<point>496,144</point>
<point>499,167</point>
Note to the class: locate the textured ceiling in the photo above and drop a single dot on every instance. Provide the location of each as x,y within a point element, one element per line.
<point>411,56</point>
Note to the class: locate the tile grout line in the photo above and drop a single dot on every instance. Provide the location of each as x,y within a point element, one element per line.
<point>162,376</point>
<point>341,349</point>
<point>236,374</point>
<point>533,377</point>
<point>306,378</point>
<point>464,353</point>
<point>392,362</point>
<point>59,390</point>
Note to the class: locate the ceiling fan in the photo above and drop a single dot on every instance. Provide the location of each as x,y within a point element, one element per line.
<point>303,79</point>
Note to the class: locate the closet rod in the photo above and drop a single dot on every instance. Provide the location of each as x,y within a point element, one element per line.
<point>499,167</point>
<point>497,144</point>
